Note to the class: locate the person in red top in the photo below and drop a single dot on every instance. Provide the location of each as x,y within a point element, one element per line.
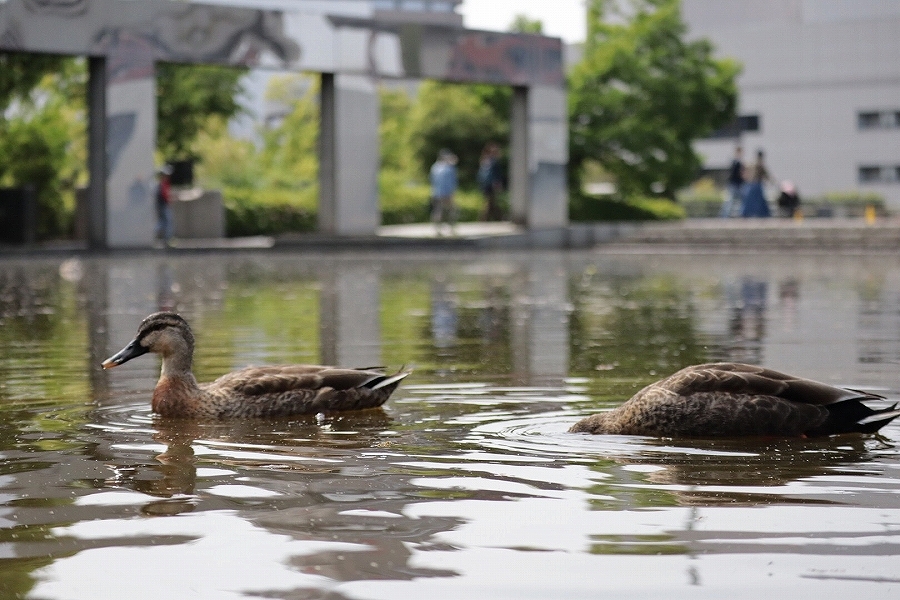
<point>164,204</point>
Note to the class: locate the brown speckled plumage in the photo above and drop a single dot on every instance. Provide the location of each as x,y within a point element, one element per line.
<point>272,391</point>
<point>737,400</point>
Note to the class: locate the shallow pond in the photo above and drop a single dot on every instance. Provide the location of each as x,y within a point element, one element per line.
<point>466,484</point>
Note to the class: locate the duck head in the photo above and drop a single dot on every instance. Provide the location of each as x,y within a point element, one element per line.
<point>163,333</point>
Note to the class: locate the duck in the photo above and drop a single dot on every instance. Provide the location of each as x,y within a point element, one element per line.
<point>726,399</point>
<point>265,391</point>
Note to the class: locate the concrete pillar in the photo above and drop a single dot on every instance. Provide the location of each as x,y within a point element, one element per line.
<point>548,153</point>
<point>96,199</point>
<point>519,192</point>
<point>348,155</point>
<point>538,191</point>
<point>130,144</point>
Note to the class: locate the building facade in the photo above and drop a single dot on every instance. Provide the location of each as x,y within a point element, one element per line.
<point>819,90</point>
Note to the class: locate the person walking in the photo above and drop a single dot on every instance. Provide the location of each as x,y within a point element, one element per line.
<point>755,204</point>
<point>443,187</point>
<point>164,225</point>
<point>734,186</point>
<point>490,182</point>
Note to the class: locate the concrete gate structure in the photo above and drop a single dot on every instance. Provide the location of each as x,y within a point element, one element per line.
<point>352,44</point>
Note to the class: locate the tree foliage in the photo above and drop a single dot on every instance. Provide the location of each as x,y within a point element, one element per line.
<point>42,133</point>
<point>394,131</point>
<point>451,116</point>
<point>187,95</point>
<point>20,73</point>
<point>524,24</point>
<point>643,94</point>
<point>289,158</point>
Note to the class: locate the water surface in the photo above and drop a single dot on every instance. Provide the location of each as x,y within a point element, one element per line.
<point>466,484</point>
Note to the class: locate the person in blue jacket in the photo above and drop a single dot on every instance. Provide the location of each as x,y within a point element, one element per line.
<point>755,204</point>
<point>443,188</point>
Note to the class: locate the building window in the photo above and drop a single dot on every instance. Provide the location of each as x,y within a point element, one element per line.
<point>878,119</point>
<point>749,122</point>
<point>869,174</point>
<point>879,174</point>
<point>734,129</point>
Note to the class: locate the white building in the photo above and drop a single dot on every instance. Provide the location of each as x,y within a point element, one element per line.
<point>819,91</point>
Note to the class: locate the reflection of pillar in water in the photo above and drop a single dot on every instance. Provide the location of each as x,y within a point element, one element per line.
<point>130,290</point>
<point>540,321</point>
<point>350,316</point>
<point>94,286</point>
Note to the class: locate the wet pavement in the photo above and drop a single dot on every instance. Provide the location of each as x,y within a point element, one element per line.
<point>760,235</point>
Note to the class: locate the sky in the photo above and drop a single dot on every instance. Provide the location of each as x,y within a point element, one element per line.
<point>561,18</point>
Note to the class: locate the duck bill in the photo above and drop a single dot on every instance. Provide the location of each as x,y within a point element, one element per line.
<point>132,350</point>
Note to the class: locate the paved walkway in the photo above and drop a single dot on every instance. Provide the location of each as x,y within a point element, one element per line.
<point>758,235</point>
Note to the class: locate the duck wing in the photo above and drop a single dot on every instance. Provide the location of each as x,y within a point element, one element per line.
<point>286,390</point>
<point>277,379</point>
<point>741,399</point>
<point>749,380</point>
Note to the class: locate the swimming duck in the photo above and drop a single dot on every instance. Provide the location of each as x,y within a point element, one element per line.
<point>734,400</point>
<point>272,391</point>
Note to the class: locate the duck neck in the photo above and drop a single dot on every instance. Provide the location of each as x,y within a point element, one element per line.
<point>178,366</point>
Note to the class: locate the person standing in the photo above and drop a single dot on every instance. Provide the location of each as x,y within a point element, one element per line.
<point>755,204</point>
<point>734,186</point>
<point>443,187</point>
<point>490,182</point>
<point>788,200</point>
<point>164,226</point>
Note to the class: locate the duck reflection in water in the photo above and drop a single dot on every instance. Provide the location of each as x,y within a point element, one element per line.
<point>287,444</point>
<point>739,400</point>
<point>273,391</point>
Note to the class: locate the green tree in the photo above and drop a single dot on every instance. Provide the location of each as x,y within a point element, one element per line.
<point>643,94</point>
<point>451,116</point>
<point>288,158</point>
<point>394,130</point>
<point>42,134</point>
<point>187,95</point>
<point>525,24</point>
<point>20,73</point>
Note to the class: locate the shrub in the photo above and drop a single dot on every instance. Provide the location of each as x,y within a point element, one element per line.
<point>408,202</point>
<point>608,208</point>
<point>269,211</point>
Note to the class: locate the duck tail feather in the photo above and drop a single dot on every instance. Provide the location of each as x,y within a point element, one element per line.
<point>881,418</point>
<point>380,382</point>
<point>866,395</point>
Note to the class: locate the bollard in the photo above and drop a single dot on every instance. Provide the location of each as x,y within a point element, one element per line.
<point>870,214</point>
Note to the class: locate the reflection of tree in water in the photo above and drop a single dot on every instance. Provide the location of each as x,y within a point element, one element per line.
<point>469,328</point>
<point>633,327</point>
<point>30,302</point>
